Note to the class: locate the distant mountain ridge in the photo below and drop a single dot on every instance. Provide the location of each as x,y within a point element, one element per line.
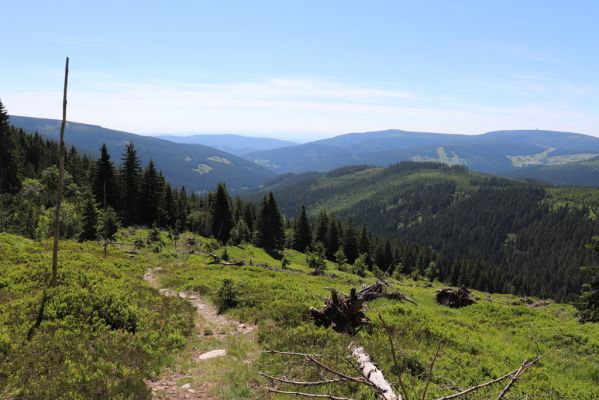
<point>231,143</point>
<point>498,152</point>
<point>195,166</point>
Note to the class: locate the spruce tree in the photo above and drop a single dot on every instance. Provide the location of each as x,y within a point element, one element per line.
<point>222,218</point>
<point>321,229</point>
<point>364,243</point>
<point>249,215</point>
<point>9,165</point>
<point>170,207</point>
<point>90,219</point>
<point>105,185</point>
<point>302,235</point>
<point>131,180</point>
<point>182,209</point>
<point>153,195</point>
<point>109,225</point>
<point>332,239</point>
<point>74,167</point>
<point>350,244</point>
<point>269,232</point>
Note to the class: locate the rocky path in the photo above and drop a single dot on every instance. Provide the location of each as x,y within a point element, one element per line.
<point>209,323</point>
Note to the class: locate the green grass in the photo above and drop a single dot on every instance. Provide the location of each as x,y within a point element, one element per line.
<point>73,356</point>
<point>102,328</point>
<point>482,341</point>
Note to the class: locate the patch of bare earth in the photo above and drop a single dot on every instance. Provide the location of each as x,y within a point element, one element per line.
<point>209,323</point>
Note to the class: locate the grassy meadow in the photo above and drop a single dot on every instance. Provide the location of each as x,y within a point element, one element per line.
<point>103,330</point>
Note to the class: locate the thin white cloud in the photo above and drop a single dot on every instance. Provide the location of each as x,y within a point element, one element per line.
<point>301,108</point>
<point>525,53</point>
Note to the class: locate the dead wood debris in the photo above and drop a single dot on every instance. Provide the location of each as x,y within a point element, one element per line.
<point>345,313</point>
<point>373,377</point>
<point>454,298</point>
<point>217,260</point>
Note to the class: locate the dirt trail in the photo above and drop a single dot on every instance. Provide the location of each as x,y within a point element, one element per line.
<point>209,323</point>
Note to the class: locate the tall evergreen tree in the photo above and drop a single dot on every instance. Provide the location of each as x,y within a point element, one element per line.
<point>170,207</point>
<point>321,229</point>
<point>332,238</point>
<point>222,218</point>
<point>302,235</point>
<point>73,165</point>
<point>131,180</point>
<point>182,209</point>
<point>90,219</point>
<point>153,195</point>
<point>249,215</point>
<point>350,244</point>
<point>105,185</point>
<point>364,242</point>
<point>270,233</point>
<point>9,165</point>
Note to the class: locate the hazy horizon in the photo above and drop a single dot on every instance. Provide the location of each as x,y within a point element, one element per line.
<point>309,70</point>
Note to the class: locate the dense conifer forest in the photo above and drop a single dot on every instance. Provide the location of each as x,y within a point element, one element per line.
<point>490,233</point>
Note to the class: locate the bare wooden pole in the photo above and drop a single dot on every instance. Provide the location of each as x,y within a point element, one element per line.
<point>61,155</point>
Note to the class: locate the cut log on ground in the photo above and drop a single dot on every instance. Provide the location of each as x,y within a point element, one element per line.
<point>345,312</point>
<point>454,298</point>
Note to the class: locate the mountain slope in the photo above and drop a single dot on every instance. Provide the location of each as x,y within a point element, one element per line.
<point>195,166</point>
<point>234,144</point>
<point>494,152</point>
<point>583,173</point>
<point>502,235</point>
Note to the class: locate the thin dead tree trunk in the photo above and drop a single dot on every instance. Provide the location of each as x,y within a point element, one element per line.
<point>61,156</point>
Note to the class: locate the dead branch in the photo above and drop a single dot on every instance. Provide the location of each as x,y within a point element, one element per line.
<point>491,382</point>
<point>373,377</point>
<point>399,370</point>
<point>430,370</point>
<point>291,353</point>
<point>302,383</point>
<point>339,374</point>
<point>300,394</point>
<point>372,374</point>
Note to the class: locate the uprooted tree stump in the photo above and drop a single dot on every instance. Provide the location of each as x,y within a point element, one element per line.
<point>454,298</point>
<point>345,313</point>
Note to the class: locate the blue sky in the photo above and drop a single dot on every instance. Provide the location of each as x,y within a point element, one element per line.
<point>306,69</point>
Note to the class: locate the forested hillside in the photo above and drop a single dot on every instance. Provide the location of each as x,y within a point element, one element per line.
<point>197,167</point>
<point>582,173</point>
<point>498,235</point>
